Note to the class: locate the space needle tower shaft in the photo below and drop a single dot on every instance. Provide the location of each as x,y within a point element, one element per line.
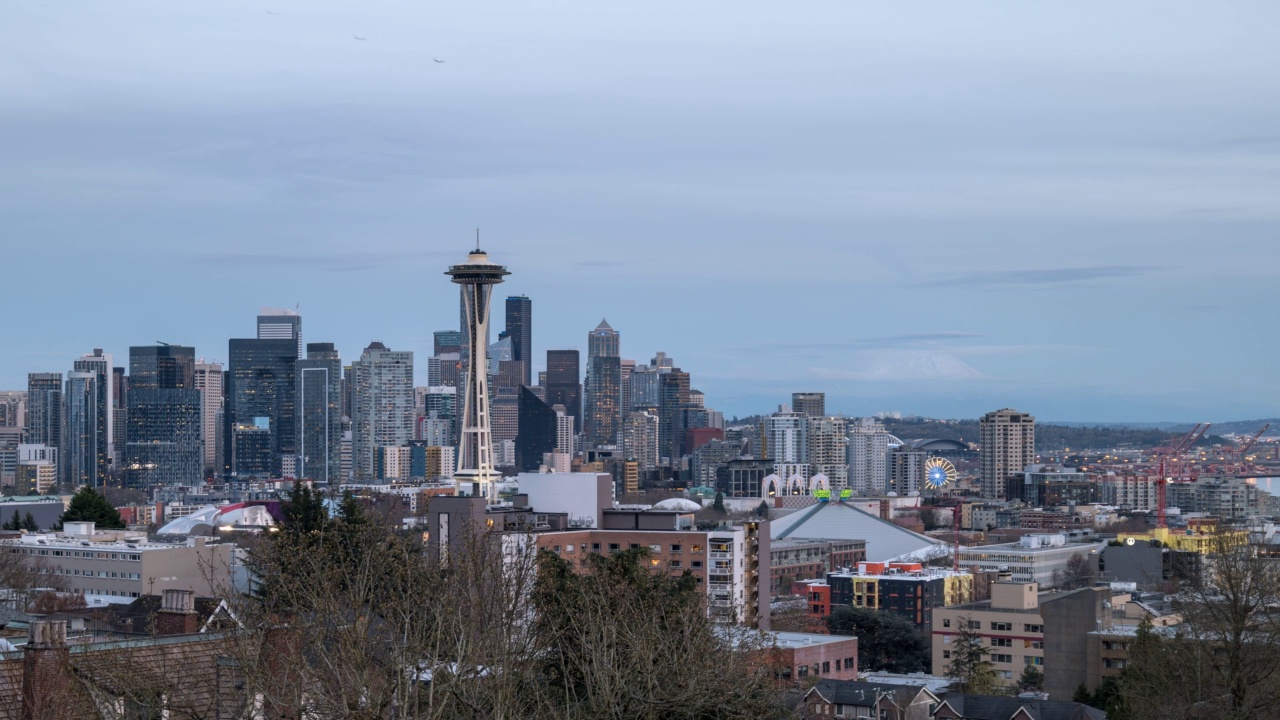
<point>475,474</point>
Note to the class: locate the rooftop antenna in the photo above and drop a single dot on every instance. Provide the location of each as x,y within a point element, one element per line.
<point>477,239</point>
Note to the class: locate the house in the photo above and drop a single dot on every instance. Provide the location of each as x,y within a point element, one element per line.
<point>960,706</point>
<point>878,701</point>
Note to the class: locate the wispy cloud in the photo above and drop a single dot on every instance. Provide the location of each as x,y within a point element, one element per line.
<point>894,365</point>
<point>907,340</point>
<point>1037,277</point>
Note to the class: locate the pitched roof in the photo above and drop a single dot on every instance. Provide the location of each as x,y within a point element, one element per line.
<point>853,692</point>
<point>839,521</point>
<point>604,325</point>
<point>997,707</point>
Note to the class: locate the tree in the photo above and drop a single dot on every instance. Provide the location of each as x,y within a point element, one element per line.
<point>1031,678</point>
<point>1077,574</point>
<point>969,664</point>
<point>718,505</point>
<point>929,517</point>
<point>886,641</point>
<point>15,523</point>
<point>29,523</point>
<point>1219,661</point>
<point>762,509</point>
<point>305,511</point>
<point>89,506</point>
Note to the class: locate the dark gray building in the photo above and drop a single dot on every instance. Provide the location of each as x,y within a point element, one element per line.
<point>261,397</point>
<point>44,409</point>
<point>602,399</point>
<point>564,383</point>
<point>520,329</point>
<point>537,431</point>
<point>163,442</point>
<point>319,378</point>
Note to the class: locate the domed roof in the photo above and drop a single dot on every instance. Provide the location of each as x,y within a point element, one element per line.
<point>678,505</point>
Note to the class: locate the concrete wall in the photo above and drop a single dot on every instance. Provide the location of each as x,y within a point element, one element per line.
<point>1068,618</point>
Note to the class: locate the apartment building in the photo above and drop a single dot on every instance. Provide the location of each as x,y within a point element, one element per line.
<point>126,564</point>
<point>792,560</point>
<point>1034,558</point>
<point>907,589</point>
<point>1010,625</point>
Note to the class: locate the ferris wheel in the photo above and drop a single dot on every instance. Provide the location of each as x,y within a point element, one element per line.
<point>938,472</point>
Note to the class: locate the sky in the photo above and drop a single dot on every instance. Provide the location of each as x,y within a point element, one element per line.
<point>929,207</point>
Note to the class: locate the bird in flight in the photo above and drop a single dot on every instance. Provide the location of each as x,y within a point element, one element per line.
<point>272,12</point>
<point>357,37</point>
<point>438,60</point>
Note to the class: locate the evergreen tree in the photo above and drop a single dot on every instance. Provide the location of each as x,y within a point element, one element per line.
<point>305,511</point>
<point>88,505</point>
<point>969,663</point>
<point>886,641</point>
<point>1031,678</point>
<point>763,509</point>
<point>351,512</point>
<point>718,505</point>
<point>29,522</point>
<point>13,524</point>
<point>1082,695</point>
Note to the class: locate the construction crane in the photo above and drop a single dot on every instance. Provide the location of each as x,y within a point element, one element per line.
<point>1248,444</point>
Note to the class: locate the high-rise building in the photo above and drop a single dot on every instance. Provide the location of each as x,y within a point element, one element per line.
<point>604,401</point>
<point>13,408</point>
<point>475,278</point>
<point>119,396</point>
<point>261,413</point>
<point>1008,440</point>
<point>447,341</point>
<point>868,449</point>
<point>163,444</point>
<point>208,380</point>
<point>445,369</point>
<point>100,365</point>
<point>82,432</point>
<point>566,432</point>
<point>906,470</point>
<point>811,404</point>
<point>520,330</point>
<point>785,437</point>
<point>604,341</point>
<point>37,469</point>
<point>44,409</point>
<point>673,395</point>
<point>828,441</point>
<point>319,378</point>
<point>383,404</point>
<point>564,383</point>
<point>278,324</point>
<point>628,367</point>
<point>504,417</point>
<point>645,387</point>
<point>640,439</point>
<point>537,434</point>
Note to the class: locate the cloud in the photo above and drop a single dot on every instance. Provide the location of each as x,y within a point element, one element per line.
<point>1038,277</point>
<point>907,340</point>
<point>894,365</point>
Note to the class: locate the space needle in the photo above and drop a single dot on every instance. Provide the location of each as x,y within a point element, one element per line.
<point>475,475</point>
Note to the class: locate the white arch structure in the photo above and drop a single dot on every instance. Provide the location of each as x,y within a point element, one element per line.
<point>819,482</point>
<point>771,487</point>
<point>796,485</point>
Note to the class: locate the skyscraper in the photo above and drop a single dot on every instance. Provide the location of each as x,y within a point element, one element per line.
<point>319,378</point>
<point>640,439</point>
<point>208,380</point>
<point>520,329</point>
<point>475,279</point>
<point>786,434</point>
<point>119,414</point>
<point>162,437</point>
<point>447,341</point>
<point>673,395</point>
<point>382,398</point>
<point>564,383</point>
<point>810,404</point>
<point>13,409</point>
<point>44,409</point>
<point>602,409</point>
<point>82,435</point>
<point>1008,440</point>
<point>278,324</point>
<point>100,365</point>
<point>868,457</point>
<point>261,411</point>
<point>537,431</point>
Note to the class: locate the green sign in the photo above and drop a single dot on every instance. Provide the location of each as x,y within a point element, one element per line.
<point>822,493</point>
<point>846,493</point>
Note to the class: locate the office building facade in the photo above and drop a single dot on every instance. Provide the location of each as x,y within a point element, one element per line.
<point>44,409</point>
<point>1008,440</point>
<point>319,377</point>
<point>209,381</point>
<point>564,383</point>
<point>383,404</point>
<point>519,327</point>
<point>261,413</point>
<point>163,444</point>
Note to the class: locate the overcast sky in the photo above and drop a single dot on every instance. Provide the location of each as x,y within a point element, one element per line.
<point>941,208</point>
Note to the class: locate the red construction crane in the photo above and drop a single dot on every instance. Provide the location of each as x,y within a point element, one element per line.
<point>1248,444</point>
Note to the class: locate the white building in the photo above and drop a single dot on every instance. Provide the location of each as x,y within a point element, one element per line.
<point>828,446</point>
<point>785,437</point>
<point>1008,440</point>
<point>868,457</point>
<point>1034,558</point>
<point>382,404</point>
<point>208,380</point>
<point>640,439</point>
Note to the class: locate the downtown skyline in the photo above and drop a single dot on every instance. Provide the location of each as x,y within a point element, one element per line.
<point>911,221</point>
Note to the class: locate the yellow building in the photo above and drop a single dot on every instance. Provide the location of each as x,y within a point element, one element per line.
<point>1202,537</point>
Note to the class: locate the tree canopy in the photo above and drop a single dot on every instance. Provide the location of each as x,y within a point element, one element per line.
<point>87,505</point>
<point>886,641</point>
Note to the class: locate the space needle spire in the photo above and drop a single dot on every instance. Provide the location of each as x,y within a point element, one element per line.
<point>476,474</point>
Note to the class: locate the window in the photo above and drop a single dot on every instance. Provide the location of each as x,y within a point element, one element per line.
<point>613,547</point>
<point>975,624</point>
<point>803,671</point>
<point>1033,628</point>
<point>1006,674</point>
<point>1001,658</point>
<point>946,654</point>
<point>634,546</point>
<point>568,548</point>
<point>675,563</point>
<point>677,548</point>
<point>848,663</point>
<point>1001,642</point>
<point>555,549</point>
<point>826,666</point>
<point>596,547</point>
<point>695,548</point>
<point>946,622</point>
<point>695,563</point>
<point>1002,626</point>
<point>1033,660</point>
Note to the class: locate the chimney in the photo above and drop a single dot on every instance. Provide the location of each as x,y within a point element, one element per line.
<point>177,614</point>
<point>45,678</point>
<point>885,512</point>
